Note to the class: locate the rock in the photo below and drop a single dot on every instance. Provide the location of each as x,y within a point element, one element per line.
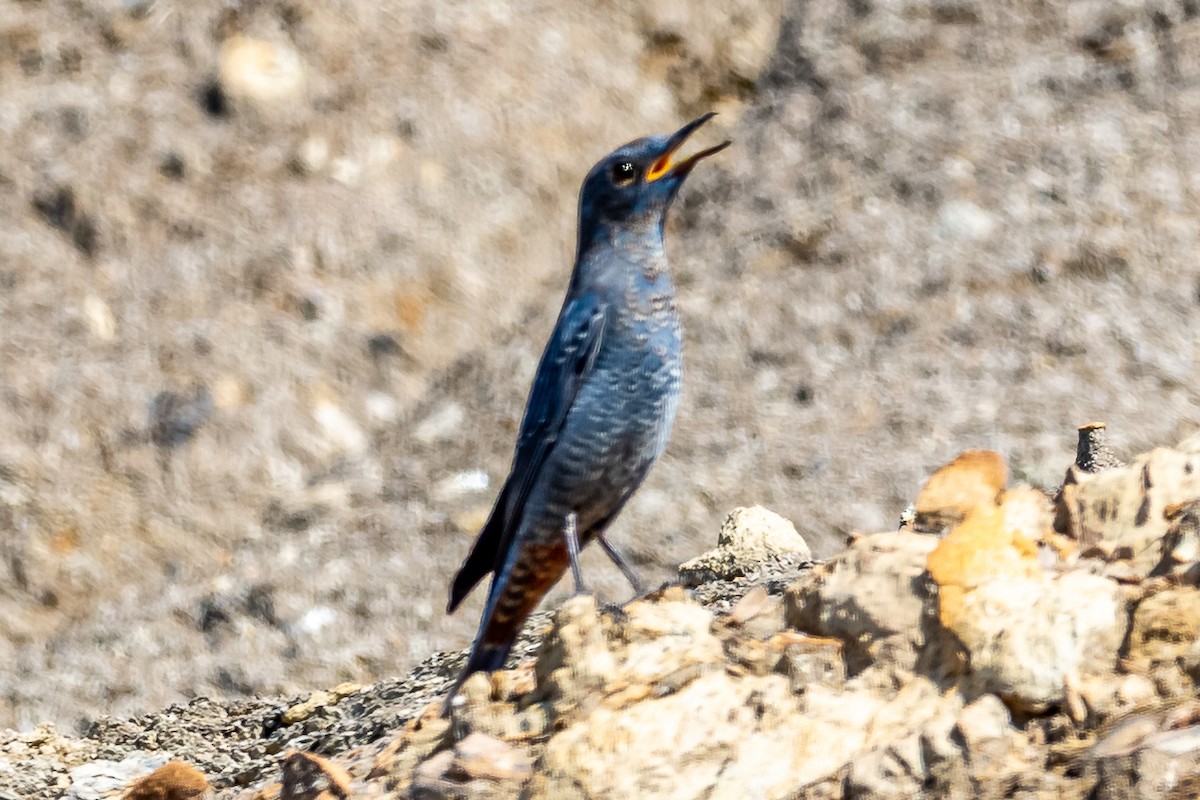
<point>341,431</point>
<point>175,780</point>
<point>985,729</point>
<point>752,633</point>
<point>99,318</point>
<point>1028,636</point>
<point>173,418</point>
<point>756,642</point>
<point>663,646</point>
<point>1131,509</point>
<point>896,766</point>
<point>269,792</point>
<point>813,661</point>
<point>381,407</point>
<point>303,710</point>
<point>963,219</point>
<point>307,776</point>
<point>230,392</point>
<point>1181,545</point>
<point>891,773</point>
<point>1190,444</point>
<point>974,478</point>
<point>1166,628</point>
<point>1153,761</point>
<point>462,483</point>
<point>1107,697</point>
<point>423,735</point>
<point>265,74</point>
<point>748,742</point>
<point>1093,453</point>
<point>1099,260</point>
<point>889,762</point>
<point>483,757</point>
<point>978,753</point>
<point>311,155</point>
<point>478,767</point>
<point>749,537</point>
<point>440,425</point>
<point>41,759</point>
<point>993,542</point>
<point>103,778</point>
<point>617,689</point>
<point>876,596</point>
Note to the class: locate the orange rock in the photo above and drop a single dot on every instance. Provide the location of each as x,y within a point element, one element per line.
<point>983,547</point>
<point>65,541</point>
<point>975,478</point>
<point>175,780</point>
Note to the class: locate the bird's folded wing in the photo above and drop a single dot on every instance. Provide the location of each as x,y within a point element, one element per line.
<point>565,367</point>
<point>563,370</point>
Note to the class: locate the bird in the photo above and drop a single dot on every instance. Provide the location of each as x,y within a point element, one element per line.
<point>602,403</point>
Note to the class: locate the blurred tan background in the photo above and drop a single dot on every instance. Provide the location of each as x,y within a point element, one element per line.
<point>274,277</point>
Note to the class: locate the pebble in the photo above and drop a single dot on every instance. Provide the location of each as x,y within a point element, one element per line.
<point>460,484</point>
<point>441,424</point>
<point>261,72</point>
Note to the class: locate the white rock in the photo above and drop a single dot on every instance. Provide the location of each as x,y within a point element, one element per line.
<point>316,619</point>
<point>749,537</point>
<point>103,778</point>
<point>440,425</point>
<point>962,219</point>
<point>345,170</point>
<point>313,154</point>
<point>264,73</point>
<point>99,318</point>
<point>382,407</point>
<point>338,427</point>
<point>462,483</point>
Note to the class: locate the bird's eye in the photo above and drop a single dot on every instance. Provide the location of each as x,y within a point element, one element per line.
<point>623,173</point>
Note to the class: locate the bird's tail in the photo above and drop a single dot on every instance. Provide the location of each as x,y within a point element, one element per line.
<point>516,589</point>
<point>484,657</point>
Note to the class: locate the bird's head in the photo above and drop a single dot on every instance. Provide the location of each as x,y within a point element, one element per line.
<point>632,187</point>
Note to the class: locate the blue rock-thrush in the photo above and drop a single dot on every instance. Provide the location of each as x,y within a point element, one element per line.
<point>603,399</point>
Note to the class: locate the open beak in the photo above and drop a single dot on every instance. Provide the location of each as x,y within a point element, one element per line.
<point>665,167</point>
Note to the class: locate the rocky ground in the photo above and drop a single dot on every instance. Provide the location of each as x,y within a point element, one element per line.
<point>998,645</point>
<point>274,276</point>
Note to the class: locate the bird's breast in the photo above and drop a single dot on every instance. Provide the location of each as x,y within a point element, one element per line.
<point>639,374</point>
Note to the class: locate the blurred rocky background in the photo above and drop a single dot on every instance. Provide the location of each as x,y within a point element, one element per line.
<point>274,277</point>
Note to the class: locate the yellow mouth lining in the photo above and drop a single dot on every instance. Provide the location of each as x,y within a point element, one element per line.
<point>659,168</point>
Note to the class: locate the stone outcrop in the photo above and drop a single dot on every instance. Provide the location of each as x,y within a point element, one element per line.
<point>993,657</point>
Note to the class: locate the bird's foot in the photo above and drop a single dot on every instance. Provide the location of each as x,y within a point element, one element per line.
<point>615,611</point>
<point>656,593</point>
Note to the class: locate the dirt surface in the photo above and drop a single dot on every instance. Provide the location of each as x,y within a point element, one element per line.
<point>945,224</point>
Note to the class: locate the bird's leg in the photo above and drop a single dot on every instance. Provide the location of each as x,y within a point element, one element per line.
<point>639,588</point>
<point>571,534</point>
